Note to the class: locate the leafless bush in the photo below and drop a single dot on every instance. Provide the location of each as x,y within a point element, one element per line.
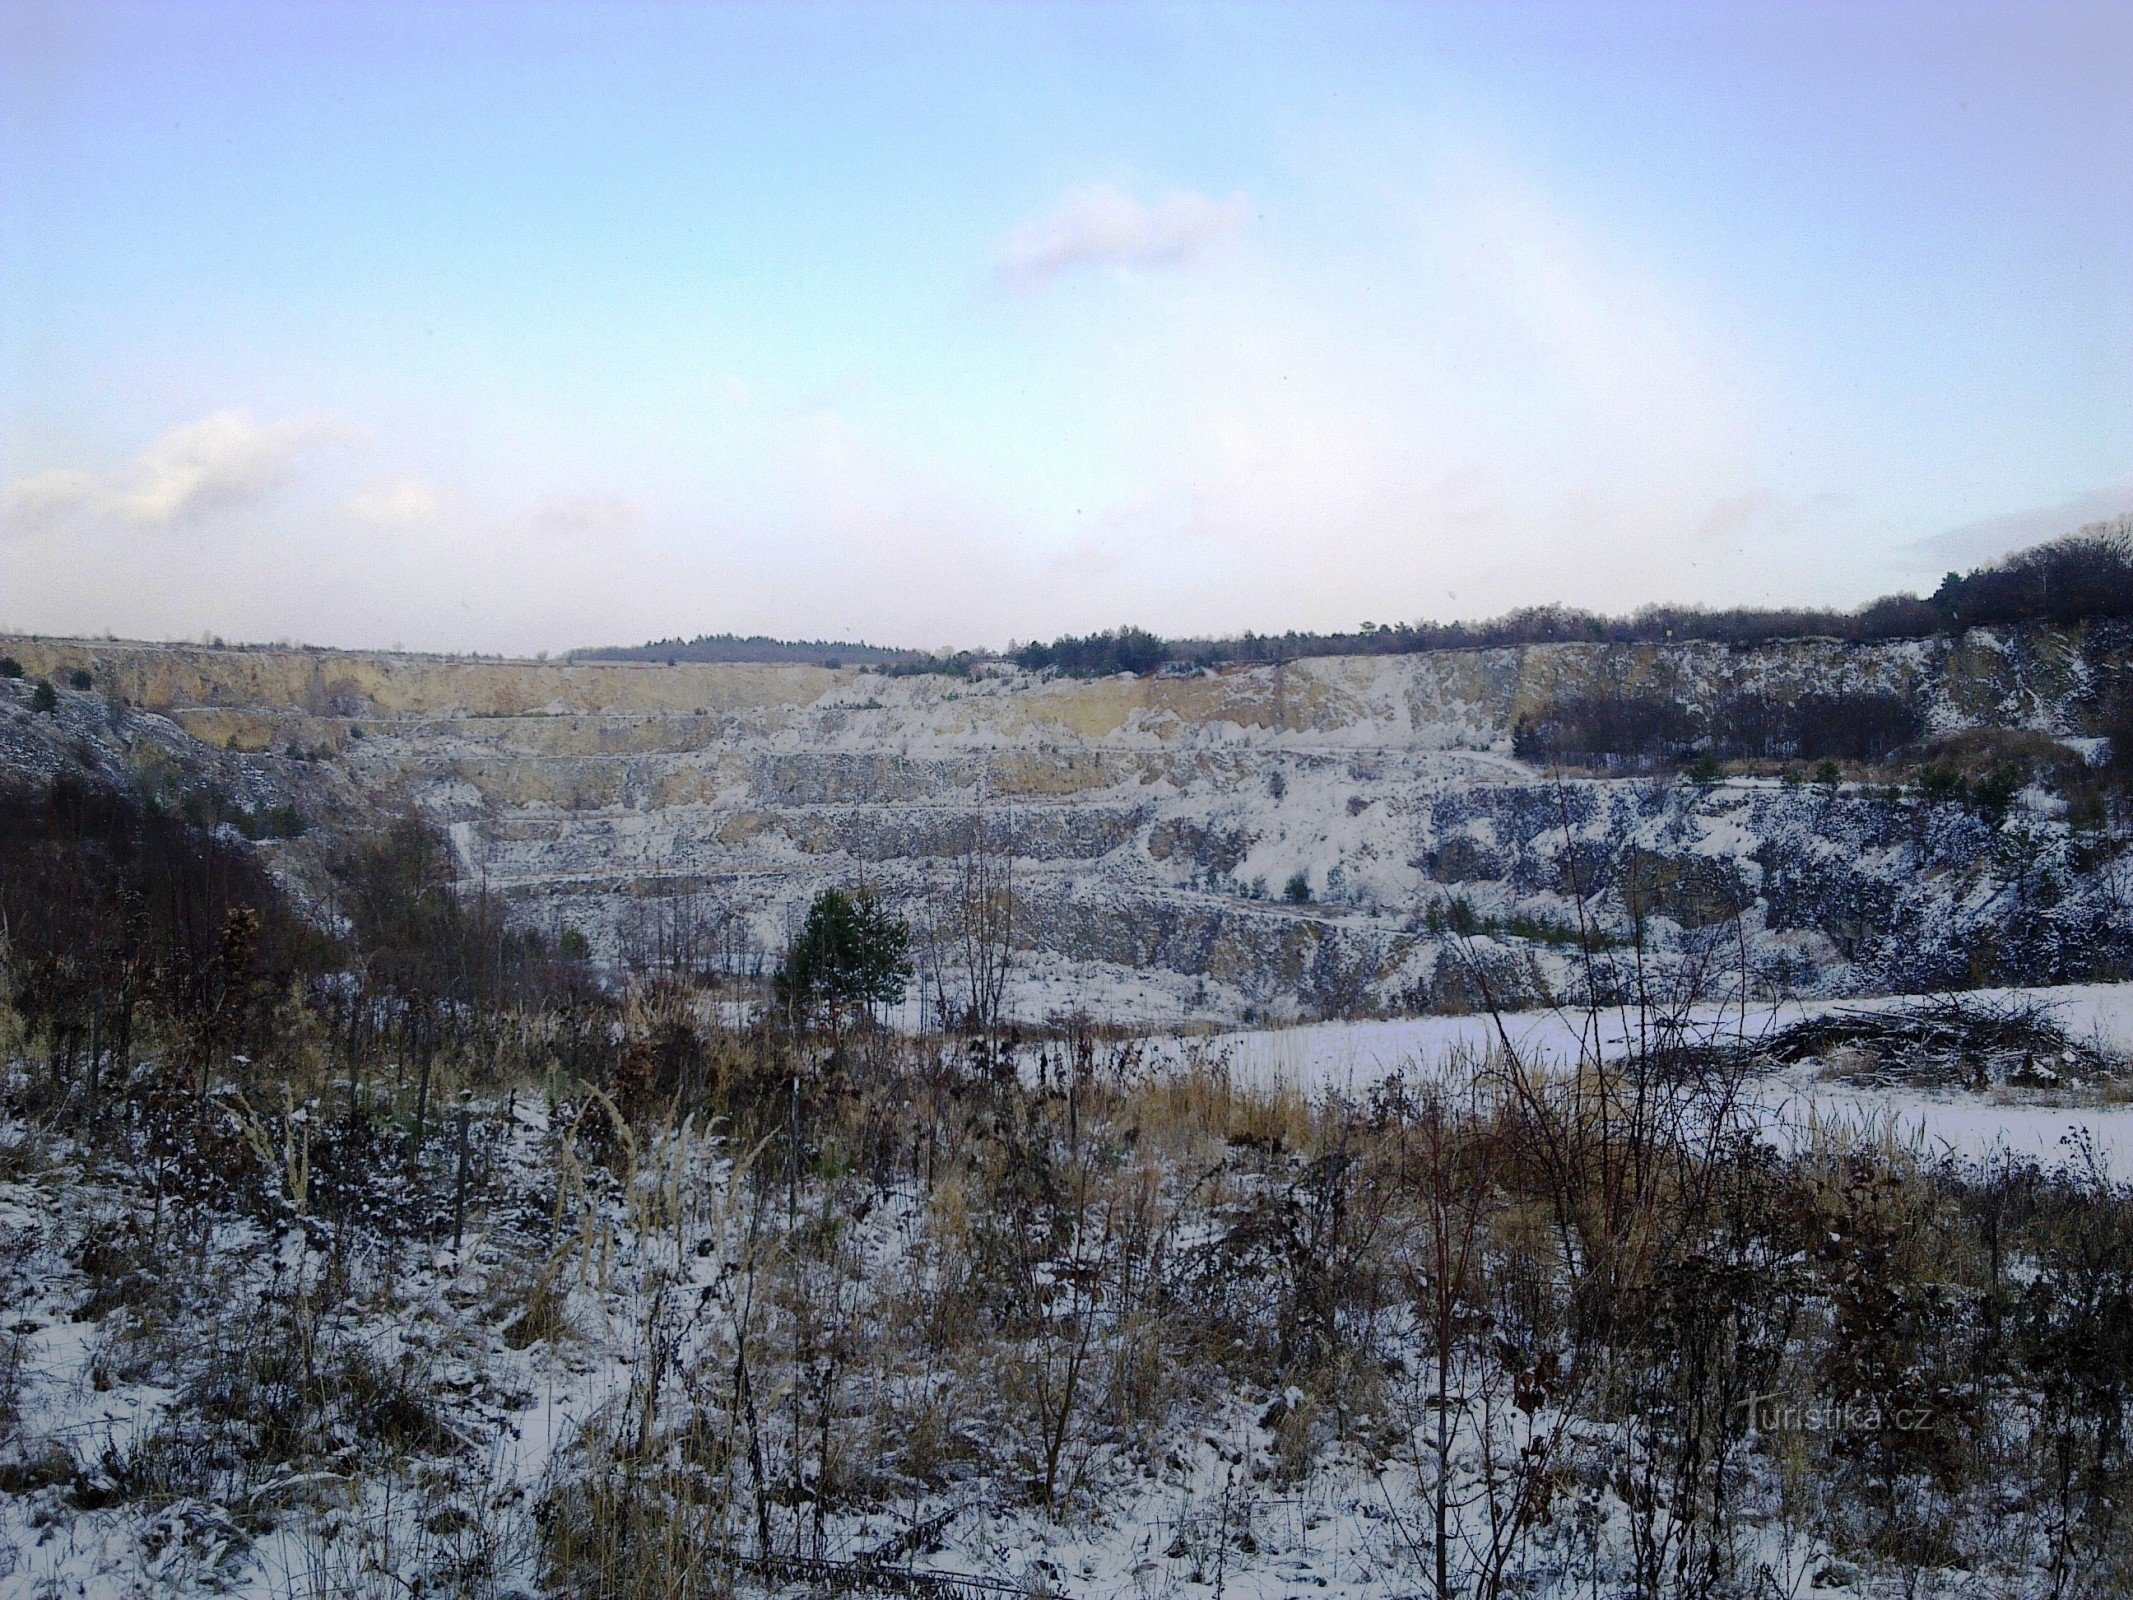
<point>970,931</point>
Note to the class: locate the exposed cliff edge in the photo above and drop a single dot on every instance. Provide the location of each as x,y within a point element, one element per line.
<point>1156,822</point>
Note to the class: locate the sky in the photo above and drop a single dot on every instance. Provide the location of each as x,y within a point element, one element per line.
<point>521,327</point>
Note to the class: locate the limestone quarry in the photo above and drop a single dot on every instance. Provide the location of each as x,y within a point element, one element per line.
<point>1260,842</point>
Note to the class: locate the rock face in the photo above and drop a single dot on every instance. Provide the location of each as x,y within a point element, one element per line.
<point>1156,825</point>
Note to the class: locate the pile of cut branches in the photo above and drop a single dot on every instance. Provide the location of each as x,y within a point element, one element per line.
<point>1956,1040</point>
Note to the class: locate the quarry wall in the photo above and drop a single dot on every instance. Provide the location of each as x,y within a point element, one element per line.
<point>1157,823</point>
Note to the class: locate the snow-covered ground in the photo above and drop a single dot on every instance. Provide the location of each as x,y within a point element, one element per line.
<point>1351,1056</point>
<point>1213,1510</point>
<point>1215,1513</point>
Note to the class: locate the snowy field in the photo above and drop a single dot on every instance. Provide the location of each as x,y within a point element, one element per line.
<point>1217,1509</point>
<point>1348,1057</point>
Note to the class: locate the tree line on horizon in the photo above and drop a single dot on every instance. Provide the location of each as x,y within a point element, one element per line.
<point>2079,577</point>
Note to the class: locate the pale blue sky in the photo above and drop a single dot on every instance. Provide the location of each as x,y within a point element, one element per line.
<point>519,327</point>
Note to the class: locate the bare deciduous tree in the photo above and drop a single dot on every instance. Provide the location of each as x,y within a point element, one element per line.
<point>971,934</point>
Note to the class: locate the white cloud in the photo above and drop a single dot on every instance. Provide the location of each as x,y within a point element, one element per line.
<point>257,536</point>
<point>32,503</point>
<point>1101,225</point>
<point>403,502</point>
<point>595,516</point>
<point>226,459</point>
<point>1496,402</point>
<point>1492,399</point>
<point>223,459</point>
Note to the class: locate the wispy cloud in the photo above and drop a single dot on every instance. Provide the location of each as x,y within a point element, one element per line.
<point>403,502</point>
<point>42,498</point>
<point>243,526</point>
<point>1996,536</point>
<point>1501,401</point>
<point>223,460</point>
<point>593,516</point>
<point>1102,225</point>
